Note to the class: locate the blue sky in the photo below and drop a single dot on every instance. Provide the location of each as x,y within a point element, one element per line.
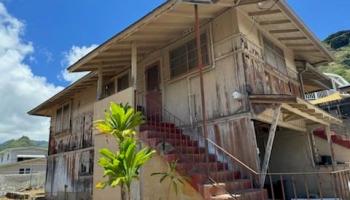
<point>39,38</point>
<point>55,26</point>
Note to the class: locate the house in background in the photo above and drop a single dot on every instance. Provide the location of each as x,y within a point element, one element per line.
<point>244,132</point>
<point>23,160</point>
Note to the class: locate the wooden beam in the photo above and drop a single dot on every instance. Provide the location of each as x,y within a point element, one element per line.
<point>331,148</point>
<point>292,38</point>
<point>292,117</point>
<point>189,15</point>
<point>303,114</point>
<point>133,65</point>
<point>264,12</point>
<point>299,45</point>
<point>272,22</point>
<point>277,31</point>
<point>170,25</point>
<point>268,149</point>
<point>307,50</point>
<point>99,84</point>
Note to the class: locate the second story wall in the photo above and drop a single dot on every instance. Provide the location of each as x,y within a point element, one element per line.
<point>277,64</point>
<point>71,124</point>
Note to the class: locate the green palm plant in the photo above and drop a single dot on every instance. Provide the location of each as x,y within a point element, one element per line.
<point>122,167</point>
<point>120,121</point>
<point>172,176</point>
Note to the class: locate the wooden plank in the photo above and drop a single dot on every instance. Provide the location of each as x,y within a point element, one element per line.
<point>299,45</point>
<point>134,65</point>
<point>292,38</point>
<point>273,22</point>
<point>292,118</point>
<point>284,31</point>
<point>304,115</point>
<point>264,12</point>
<point>331,148</point>
<point>307,50</point>
<point>272,133</point>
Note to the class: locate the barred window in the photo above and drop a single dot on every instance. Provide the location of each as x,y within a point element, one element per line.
<point>274,56</point>
<point>184,58</point>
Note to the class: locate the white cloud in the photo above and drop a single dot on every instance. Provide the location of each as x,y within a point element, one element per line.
<point>70,57</point>
<point>20,89</point>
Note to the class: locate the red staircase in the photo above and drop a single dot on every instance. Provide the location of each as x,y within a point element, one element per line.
<point>337,139</point>
<point>212,173</point>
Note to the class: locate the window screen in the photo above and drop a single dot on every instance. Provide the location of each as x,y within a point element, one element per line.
<point>184,57</point>
<point>274,56</point>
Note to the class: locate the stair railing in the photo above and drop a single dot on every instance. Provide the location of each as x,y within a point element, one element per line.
<point>215,164</point>
<point>223,167</point>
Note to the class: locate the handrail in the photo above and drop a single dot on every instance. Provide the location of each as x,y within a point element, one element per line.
<point>233,157</point>
<point>224,161</point>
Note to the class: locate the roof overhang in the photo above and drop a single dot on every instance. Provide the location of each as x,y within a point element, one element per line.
<point>313,80</point>
<point>294,108</point>
<point>281,22</point>
<point>88,80</point>
<point>175,18</point>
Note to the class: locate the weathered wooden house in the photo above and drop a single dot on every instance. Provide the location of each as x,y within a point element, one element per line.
<point>249,137</point>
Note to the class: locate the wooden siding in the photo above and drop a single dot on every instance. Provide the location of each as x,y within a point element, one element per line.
<point>72,150</point>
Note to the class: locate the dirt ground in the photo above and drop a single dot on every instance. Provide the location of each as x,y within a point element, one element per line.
<point>32,193</point>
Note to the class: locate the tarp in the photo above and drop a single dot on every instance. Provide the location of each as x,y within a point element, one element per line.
<point>333,97</point>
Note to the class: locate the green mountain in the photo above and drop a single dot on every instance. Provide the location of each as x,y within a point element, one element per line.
<point>339,44</point>
<point>24,141</point>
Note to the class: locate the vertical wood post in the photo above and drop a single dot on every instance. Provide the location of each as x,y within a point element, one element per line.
<point>272,133</point>
<point>99,83</point>
<point>134,70</point>
<point>330,142</point>
<point>200,68</point>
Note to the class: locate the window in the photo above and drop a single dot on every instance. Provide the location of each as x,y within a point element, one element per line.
<point>63,118</point>
<point>184,58</point>
<point>27,171</point>
<point>109,89</point>
<point>274,56</point>
<point>21,171</point>
<point>123,82</point>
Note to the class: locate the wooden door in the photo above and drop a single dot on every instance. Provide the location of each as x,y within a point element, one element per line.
<point>153,93</point>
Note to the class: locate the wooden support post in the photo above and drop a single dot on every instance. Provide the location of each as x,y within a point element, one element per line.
<point>330,142</point>
<point>134,70</point>
<point>99,84</point>
<point>272,133</point>
<point>312,145</point>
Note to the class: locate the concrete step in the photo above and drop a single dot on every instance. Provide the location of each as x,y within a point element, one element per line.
<point>159,134</point>
<point>222,188</point>
<point>201,167</point>
<point>174,142</point>
<point>248,194</point>
<point>149,127</point>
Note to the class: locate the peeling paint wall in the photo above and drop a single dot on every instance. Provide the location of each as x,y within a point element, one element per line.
<point>71,154</point>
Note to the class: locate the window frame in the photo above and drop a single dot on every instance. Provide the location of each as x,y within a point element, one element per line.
<point>206,58</point>
<point>62,122</point>
<point>277,53</point>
